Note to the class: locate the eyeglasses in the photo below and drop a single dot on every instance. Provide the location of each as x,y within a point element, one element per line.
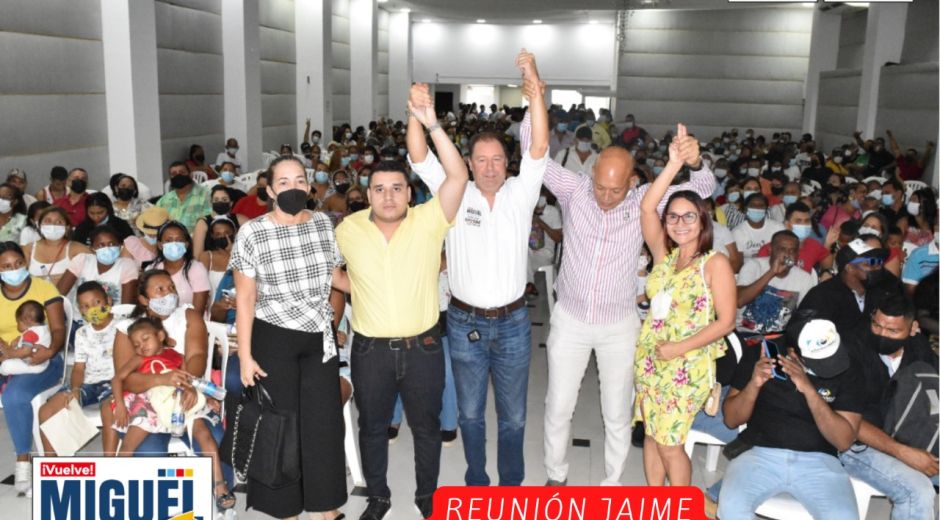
<point>867,260</point>
<point>687,218</point>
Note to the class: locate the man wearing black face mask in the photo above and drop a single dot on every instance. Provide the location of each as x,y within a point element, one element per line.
<point>901,470</point>
<point>849,297</point>
<point>73,202</point>
<point>187,202</point>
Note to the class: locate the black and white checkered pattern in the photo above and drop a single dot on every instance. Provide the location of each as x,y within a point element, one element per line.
<point>292,267</point>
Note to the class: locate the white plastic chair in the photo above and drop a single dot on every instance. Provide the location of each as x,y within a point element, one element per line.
<point>699,437</point>
<point>39,399</point>
<point>352,448</point>
<point>122,311</point>
<point>200,176</point>
<point>912,186</point>
<point>785,507</point>
<point>217,332</point>
<point>549,271</point>
<point>268,157</point>
<point>248,180</point>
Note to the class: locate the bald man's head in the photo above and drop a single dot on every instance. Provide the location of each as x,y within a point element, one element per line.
<point>613,173</point>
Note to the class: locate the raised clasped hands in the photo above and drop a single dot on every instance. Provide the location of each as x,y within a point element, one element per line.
<point>684,147</point>
<point>532,86</point>
<point>421,105</point>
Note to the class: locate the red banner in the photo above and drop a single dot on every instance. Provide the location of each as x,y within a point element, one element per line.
<point>569,503</point>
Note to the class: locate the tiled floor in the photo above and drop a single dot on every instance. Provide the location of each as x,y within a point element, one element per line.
<point>587,463</point>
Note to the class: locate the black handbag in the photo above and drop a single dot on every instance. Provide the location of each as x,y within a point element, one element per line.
<point>261,442</point>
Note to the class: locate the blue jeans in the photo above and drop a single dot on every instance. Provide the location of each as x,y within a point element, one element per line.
<point>815,479</point>
<point>909,490</point>
<point>233,376</point>
<point>16,398</point>
<point>715,426</point>
<point>449,407</point>
<point>503,350</point>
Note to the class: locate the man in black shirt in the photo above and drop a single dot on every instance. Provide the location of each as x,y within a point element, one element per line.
<point>801,410</point>
<point>900,471</point>
<point>850,297</point>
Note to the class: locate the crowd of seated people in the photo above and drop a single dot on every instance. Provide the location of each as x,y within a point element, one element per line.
<point>845,233</point>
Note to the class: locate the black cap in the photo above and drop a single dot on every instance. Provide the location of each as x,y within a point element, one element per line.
<point>858,248</point>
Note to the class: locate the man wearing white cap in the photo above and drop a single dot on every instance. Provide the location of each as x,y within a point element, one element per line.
<point>801,410</point>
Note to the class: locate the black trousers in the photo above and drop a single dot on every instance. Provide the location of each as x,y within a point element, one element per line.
<point>299,380</point>
<point>414,368</point>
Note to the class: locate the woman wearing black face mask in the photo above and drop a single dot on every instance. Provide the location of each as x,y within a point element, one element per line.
<point>336,203</point>
<point>218,242</point>
<point>284,264</point>
<point>222,206</point>
<point>127,201</point>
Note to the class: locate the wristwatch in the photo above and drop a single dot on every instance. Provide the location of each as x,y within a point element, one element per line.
<point>435,126</point>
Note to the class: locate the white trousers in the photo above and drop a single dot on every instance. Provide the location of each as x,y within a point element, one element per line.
<point>570,343</point>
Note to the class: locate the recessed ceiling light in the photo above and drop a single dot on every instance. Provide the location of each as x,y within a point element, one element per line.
<point>481,20</point>
<point>382,1</point>
<point>405,10</point>
<point>426,20</point>
<point>536,21</point>
<point>510,85</point>
<point>593,22</point>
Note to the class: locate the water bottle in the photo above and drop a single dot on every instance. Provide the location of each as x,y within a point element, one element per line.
<point>208,388</point>
<point>177,418</point>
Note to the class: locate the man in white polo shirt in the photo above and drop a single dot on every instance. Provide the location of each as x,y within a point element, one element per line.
<point>488,327</point>
<point>596,307</point>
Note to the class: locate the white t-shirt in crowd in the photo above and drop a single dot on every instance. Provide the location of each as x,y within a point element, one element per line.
<point>574,162</point>
<point>750,240</point>
<point>721,237</point>
<point>513,130</point>
<point>773,307</point>
<point>224,157</point>
<point>95,348</point>
<point>551,216</point>
<point>85,268</point>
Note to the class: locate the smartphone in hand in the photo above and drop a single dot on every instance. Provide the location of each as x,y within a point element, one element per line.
<point>772,351</point>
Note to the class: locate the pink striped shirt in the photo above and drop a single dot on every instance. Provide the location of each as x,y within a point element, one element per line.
<point>597,282</point>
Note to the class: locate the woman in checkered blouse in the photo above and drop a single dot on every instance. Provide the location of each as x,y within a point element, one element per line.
<point>285,263</point>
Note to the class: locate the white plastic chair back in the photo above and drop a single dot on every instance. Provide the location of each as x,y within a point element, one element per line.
<point>200,176</point>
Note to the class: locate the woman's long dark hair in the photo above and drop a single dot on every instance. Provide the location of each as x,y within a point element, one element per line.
<point>706,234</point>
<point>99,200</point>
<point>187,257</point>
<point>143,282</point>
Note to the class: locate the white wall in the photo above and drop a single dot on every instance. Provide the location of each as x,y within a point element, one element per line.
<point>189,71</point>
<point>341,65</point>
<point>852,40</point>
<point>574,54</point>
<point>381,66</point>
<point>838,107</point>
<point>278,69</point>
<point>714,70</point>
<point>920,35</point>
<point>907,105</point>
<point>52,103</point>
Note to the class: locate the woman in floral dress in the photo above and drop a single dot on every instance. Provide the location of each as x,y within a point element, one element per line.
<point>681,338</point>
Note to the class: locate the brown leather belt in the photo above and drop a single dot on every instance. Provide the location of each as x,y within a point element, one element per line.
<point>491,313</point>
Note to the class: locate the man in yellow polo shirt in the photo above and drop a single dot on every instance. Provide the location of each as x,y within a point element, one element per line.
<point>393,257</point>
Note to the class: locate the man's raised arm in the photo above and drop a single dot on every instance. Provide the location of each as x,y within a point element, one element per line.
<point>422,161</point>
<point>451,189</point>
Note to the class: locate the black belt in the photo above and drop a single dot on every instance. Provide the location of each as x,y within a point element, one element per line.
<point>426,338</point>
<point>492,312</point>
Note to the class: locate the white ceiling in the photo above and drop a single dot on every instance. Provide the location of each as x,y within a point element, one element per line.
<point>550,11</point>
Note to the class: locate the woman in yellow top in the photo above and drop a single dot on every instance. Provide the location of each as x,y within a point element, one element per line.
<point>16,287</point>
<point>681,337</point>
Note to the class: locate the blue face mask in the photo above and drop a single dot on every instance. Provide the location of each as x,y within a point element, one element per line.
<point>756,214</point>
<point>855,203</point>
<point>887,199</point>
<point>228,177</point>
<point>108,255</point>
<point>734,196</point>
<point>345,161</point>
<point>561,127</point>
<point>321,177</point>
<point>364,182</point>
<point>173,251</point>
<point>657,170</point>
<point>14,277</point>
<point>152,240</point>
<point>789,199</point>
<point>354,156</point>
<point>802,231</point>
<point>590,123</point>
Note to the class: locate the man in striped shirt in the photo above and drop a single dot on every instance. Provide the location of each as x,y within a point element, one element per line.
<point>596,304</point>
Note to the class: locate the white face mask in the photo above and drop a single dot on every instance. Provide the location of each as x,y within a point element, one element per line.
<point>913,208</point>
<point>52,231</point>
<point>837,160</point>
<point>542,202</point>
<point>753,172</point>
<point>231,151</point>
<point>584,146</point>
<point>721,173</point>
<point>5,205</point>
